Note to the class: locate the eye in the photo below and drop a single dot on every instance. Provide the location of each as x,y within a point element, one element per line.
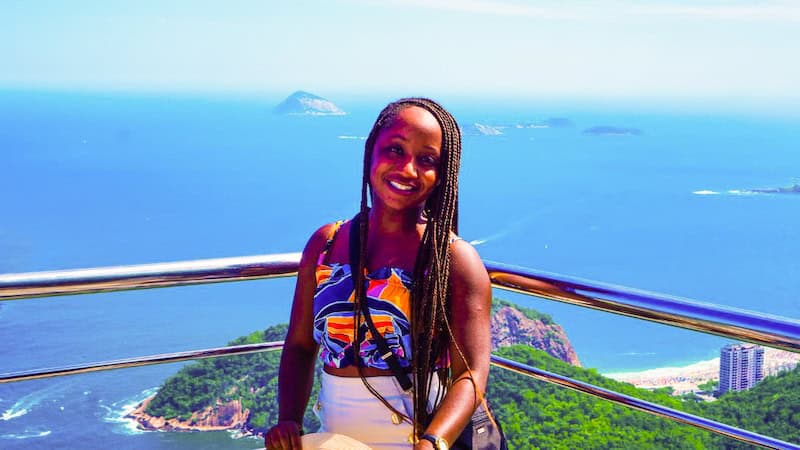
<point>393,150</point>
<point>429,161</point>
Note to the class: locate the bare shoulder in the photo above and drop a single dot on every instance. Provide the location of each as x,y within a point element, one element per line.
<point>466,267</point>
<point>317,242</point>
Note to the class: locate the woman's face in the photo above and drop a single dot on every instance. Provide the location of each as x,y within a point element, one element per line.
<point>405,160</point>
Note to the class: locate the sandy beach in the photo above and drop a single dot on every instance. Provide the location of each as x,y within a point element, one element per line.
<point>687,378</point>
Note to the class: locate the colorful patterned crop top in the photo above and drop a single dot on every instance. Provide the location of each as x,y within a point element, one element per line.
<point>389,302</point>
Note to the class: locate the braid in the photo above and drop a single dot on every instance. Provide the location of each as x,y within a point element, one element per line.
<point>430,294</point>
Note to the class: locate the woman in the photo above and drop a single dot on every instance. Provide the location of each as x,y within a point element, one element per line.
<point>427,290</point>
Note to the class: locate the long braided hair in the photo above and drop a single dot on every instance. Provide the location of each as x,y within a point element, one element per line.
<point>430,294</point>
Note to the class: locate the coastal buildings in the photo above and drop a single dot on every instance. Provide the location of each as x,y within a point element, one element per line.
<point>741,366</point>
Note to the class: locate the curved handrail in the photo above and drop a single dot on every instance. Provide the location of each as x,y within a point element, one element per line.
<point>136,361</point>
<point>18,286</point>
<point>533,372</point>
<point>770,330</point>
<point>752,326</point>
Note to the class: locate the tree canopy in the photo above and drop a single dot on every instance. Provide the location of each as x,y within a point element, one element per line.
<point>534,414</point>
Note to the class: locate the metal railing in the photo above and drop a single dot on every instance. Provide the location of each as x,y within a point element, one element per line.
<point>137,361</point>
<point>17,286</point>
<point>759,328</point>
<point>775,331</point>
<point>765,329</point>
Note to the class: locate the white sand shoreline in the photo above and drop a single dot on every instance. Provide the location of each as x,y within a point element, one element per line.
<point>687,378</point>
<point>661,371</point>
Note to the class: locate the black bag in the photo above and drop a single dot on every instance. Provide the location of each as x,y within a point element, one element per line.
<point>481,432</point>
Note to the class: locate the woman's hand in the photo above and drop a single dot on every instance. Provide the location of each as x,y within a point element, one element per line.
<point>285,435</point>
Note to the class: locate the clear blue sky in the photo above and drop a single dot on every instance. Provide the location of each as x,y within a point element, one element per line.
<point>661,49</point>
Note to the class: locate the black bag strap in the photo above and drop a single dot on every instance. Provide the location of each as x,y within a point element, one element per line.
<point>386,353</point>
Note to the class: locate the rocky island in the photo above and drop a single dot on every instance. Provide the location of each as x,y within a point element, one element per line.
<point>306,103</point>
<point>793,189</point>
<point>485,130</point>
<point>497,129</point>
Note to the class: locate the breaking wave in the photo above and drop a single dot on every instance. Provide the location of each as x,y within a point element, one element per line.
<point>26,403</point>
<point>27,434</point>
<point>728,192</point>
<point>638,353</point>
<point>117,412</point>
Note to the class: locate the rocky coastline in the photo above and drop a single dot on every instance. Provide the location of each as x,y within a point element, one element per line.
<point>220,417</point>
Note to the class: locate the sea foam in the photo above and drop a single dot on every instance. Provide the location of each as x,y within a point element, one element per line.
<point>27,434</point>
<point>13,413</point>
<point>25,404</point>
<point>118,411</point>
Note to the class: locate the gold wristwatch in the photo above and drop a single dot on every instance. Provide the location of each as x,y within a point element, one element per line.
<point>438,443</point>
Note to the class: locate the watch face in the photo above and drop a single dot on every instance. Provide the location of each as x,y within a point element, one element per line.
<point>438,443</point>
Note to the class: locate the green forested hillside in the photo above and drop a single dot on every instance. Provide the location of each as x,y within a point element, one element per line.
<point>253,379</point>
<point>771,408</point>
<point>534,414</point>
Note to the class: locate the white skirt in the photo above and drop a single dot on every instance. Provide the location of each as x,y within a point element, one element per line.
<point>345,406</point>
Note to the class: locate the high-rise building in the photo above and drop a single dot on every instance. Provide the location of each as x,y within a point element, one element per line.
<point>741,366</point>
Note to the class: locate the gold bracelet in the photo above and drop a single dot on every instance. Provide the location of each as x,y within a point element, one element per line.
<point>438,442</point>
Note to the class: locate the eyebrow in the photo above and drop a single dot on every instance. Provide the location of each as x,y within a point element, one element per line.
<point>403,138</point>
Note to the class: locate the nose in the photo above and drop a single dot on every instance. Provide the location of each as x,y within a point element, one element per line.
<point>409,168</point>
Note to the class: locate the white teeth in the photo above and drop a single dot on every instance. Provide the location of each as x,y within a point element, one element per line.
<point>402,187</point>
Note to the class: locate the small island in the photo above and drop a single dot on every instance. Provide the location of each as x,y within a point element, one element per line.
<point>793,189</point>
<point>552,122</point>
<point>307,104</point>
<point>606,130</point>
<point>486,130</point>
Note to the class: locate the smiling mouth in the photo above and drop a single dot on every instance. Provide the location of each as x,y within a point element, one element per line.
<point>401,186</point>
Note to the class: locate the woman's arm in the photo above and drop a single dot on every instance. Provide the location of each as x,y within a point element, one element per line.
<point>296,374</point>
<point>471,301</point>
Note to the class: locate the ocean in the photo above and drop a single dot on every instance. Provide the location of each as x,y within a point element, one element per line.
<point>650,198</point>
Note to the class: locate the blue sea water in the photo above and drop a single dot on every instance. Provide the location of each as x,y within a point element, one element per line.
<point>104,179</point>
